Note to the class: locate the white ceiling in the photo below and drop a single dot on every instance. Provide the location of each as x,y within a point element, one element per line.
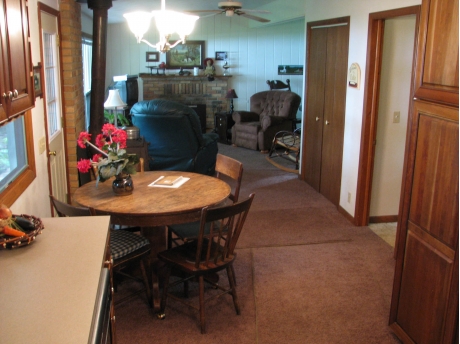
<point>119,7</point>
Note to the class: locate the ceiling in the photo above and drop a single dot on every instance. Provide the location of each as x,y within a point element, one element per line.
<point>119,7</point>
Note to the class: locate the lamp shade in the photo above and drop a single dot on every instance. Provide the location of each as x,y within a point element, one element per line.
<point>139,23</point>
<point>231,94</point>
<point>113,100</point>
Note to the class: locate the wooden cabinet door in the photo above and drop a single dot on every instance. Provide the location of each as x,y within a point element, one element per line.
<point>16,59</point>
<point>424,305</point>
<point>3,68</point>
<point>425,295</point>
<point>325,116</point>
<point>437,61</point>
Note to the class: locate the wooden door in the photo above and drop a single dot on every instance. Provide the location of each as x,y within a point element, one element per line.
<point>424,306</point>
<point>334,112</point>
<point>315,107</point>
<point>325,115</point>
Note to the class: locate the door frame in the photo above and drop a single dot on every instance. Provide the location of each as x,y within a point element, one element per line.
<point>53,12</point>
<point>371,104</point>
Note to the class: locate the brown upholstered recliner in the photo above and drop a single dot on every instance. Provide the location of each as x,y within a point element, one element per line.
<point>270,112</point>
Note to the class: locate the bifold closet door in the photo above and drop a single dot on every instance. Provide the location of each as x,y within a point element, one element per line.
<point>326,93</point>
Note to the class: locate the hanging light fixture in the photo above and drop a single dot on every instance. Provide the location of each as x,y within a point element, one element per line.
<point>167,22</point>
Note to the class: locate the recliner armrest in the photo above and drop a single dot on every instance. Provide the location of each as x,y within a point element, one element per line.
<point>268,121</point>
<point>245,116</point>
<point>209,138</point>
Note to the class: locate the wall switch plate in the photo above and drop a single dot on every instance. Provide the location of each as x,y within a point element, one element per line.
<point>349,197</point>
<point>396,116</point>
<point>41,145</point>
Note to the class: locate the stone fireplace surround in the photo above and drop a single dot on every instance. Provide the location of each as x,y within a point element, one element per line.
<point>189,90</point>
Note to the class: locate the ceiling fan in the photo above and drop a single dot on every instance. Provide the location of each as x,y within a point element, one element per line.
<point>234,7</point>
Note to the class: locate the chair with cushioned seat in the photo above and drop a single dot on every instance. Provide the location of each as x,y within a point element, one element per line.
<point>174,133</point>
<point>206,255</point>
<point>270,112</point>
<point>125,247</point>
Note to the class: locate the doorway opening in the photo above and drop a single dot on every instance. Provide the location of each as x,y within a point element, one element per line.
<point>379,100</point>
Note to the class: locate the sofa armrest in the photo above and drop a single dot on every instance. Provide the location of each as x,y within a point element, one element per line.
<point>268,121</point>
<point>245,116</point>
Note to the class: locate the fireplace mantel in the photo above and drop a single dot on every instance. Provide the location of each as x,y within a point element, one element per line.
<point>189,90</point>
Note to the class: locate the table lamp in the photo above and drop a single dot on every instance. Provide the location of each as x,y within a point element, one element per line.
<point>113,102</point>
<point>231,94</point>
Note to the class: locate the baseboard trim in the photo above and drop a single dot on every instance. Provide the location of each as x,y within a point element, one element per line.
<point>383,219</point>
<point>347,215</point>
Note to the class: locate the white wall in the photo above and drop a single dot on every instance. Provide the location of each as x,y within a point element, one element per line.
<point>395,83</point>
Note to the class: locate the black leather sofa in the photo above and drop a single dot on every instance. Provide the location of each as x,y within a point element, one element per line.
<point>174,133</point>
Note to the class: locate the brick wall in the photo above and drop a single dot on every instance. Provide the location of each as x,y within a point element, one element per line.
<point>189,90</point>
<point>72,78</point>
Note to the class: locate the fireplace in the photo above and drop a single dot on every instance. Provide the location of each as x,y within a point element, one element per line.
<point>192,91</point>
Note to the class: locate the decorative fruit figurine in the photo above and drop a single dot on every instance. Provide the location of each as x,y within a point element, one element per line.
<point>5,212</point>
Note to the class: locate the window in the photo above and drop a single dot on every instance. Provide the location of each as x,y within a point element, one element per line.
<point>87,53</point>
<point>17,161</point>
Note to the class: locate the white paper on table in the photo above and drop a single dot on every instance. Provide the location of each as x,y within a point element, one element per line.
<point>175,186</point>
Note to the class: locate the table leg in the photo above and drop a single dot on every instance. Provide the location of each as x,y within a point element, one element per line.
<point>157,238</point>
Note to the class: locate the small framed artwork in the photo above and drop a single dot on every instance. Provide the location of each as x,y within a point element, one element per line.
<point>152,56</point>
<point>38,89</point>
<point>187,55</point>
<point>221,55</point>
<point>290,70</point>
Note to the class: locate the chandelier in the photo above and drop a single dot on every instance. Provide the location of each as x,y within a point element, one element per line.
<point>167,22</point>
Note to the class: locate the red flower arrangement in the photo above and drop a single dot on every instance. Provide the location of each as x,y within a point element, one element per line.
<point>112,158</point>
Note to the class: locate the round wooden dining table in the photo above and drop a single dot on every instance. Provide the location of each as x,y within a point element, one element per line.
<point>152,207</point>
<point>155,206</point>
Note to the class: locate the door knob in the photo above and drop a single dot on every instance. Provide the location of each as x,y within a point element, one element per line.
<point>10,95</point>
<point>4,95</point>
<point>327,122</point>
<point>15,93</point>
<point>53,153</point>
<point>317,119</point>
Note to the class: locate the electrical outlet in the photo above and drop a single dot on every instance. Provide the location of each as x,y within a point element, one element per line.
<point>396,116</point>
<point>41,145</point>
<point>349,197</point>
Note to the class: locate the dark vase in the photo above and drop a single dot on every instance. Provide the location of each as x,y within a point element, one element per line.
<point>123,185</point>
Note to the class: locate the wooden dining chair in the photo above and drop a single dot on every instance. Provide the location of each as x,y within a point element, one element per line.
<point>209,253</point>
<point>227,169</point>
<point>125,248</point>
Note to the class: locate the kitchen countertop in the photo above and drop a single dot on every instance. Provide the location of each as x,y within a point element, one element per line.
<point>48,289</point>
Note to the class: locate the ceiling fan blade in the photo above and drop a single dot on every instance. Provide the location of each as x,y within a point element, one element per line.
<point>259,19</point>
<point>254,11</point>
<point>204,11</point>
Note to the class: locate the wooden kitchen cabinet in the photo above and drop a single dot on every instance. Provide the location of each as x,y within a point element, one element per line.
<point>16,78</point>
<point>424,306</point>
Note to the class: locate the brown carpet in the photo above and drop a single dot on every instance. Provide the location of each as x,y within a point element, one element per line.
<point>304,273</point>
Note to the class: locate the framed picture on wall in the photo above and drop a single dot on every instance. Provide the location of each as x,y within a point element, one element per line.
<point>187,56</point>
<point>38,81</point>
<point>221,55</point>
<point>152,56</point>
<point>290,70</point>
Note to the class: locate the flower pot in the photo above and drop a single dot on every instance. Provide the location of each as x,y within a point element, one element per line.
<point>123,185</point>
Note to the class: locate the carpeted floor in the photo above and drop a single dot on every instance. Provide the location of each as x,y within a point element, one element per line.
<point>304,273</point>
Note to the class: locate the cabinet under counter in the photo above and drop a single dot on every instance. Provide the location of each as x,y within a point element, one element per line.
<point>48,289</point>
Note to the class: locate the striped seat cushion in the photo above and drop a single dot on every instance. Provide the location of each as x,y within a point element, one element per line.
<point>123,243</point>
